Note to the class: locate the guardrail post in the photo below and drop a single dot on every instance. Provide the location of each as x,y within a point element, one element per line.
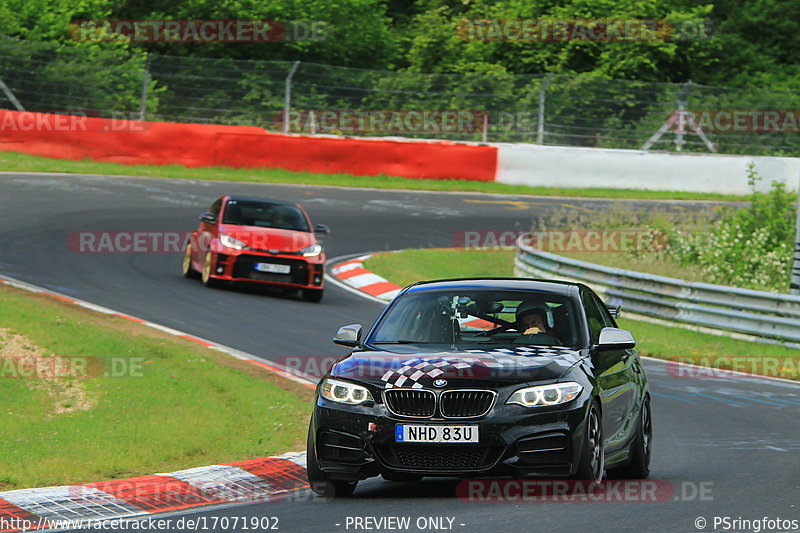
<point>794,288</point>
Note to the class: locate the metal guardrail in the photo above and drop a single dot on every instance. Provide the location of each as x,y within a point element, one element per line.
<point>769,316</point>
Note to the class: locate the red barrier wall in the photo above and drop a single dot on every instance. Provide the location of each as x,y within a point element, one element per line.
<point>196,145</point>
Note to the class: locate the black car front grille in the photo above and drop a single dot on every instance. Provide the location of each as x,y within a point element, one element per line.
<point>432,457</point>
<point>465,403</point>
<point>407,402</point>
<point>245,268</point>
<point>337,446</point>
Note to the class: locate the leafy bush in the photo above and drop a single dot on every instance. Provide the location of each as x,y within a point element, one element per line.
<point>747,247</point>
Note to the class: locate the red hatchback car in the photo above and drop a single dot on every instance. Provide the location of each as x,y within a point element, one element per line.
<point>257,240</point>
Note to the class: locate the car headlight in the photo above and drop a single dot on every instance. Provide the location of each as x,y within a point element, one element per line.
<point>312,251</point>
<point>541,395</point>
<point>344,392</point>
<point>230,242</point>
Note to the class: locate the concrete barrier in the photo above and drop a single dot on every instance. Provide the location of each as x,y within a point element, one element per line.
<point>561,166</point>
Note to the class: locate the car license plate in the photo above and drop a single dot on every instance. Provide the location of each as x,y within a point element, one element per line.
<point>435,434</point>
<point>273,268</point>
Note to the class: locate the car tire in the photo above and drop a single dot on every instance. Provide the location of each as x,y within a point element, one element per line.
<point>400,477</point>
<point>591,462</point>
<point>641,450</point>
<point>186,264</point>
<point>318,480</point>
<point>205,275</point>
<point>311,295</point>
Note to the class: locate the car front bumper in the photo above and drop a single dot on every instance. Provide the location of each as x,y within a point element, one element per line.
<point>354,443</point>
<point>239,266</point>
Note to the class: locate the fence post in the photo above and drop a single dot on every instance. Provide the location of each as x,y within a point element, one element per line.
<point>145,80</point>
<point>313,121</point>
<point>287,97</point>
<point>542,95</point>
<point>679,141</point>
<point>795,278</point>
<point>11,96</point>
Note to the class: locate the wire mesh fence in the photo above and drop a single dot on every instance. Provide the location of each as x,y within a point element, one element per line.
<point>300,97</point>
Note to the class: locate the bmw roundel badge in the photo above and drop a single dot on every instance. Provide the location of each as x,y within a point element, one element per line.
<point>439,382</point>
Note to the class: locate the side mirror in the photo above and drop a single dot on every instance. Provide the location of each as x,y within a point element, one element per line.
<point>615,310</point>
<point>615,339</point>
<point>208,218</point>
<point>348,335</point>
<point>321,229</point>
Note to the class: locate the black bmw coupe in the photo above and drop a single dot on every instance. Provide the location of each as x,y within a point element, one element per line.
<point>483,377</point>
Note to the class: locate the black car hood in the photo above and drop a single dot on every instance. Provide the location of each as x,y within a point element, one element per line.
<point>416,370</point>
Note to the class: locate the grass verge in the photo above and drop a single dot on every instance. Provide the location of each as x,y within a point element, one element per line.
<point>664,342</point>
<point>113,399</point>
<point>650,263</point>
<point>17,162</point>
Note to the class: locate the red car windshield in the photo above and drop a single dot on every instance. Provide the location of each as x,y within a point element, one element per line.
<point>264,215</point>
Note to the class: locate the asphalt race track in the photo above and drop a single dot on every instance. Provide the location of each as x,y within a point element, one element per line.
<point>725,446</point>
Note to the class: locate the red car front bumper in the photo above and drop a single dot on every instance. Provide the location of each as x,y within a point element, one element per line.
<point>284,270</point>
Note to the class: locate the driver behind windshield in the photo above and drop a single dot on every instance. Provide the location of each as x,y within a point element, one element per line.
<point>531,322</point>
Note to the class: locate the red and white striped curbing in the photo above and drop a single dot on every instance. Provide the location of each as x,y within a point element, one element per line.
<point>353,274</point>
<point>76,506</point>
<point>69,507</point>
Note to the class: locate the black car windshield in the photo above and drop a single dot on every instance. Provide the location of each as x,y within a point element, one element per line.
<point>264,215</point>
<point>474,318</point>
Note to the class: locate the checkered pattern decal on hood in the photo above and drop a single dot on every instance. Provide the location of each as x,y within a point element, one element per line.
<point>428,367</point>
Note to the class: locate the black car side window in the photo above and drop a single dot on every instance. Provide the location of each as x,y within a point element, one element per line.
<point>593,317</point>
<point>607,320</point>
